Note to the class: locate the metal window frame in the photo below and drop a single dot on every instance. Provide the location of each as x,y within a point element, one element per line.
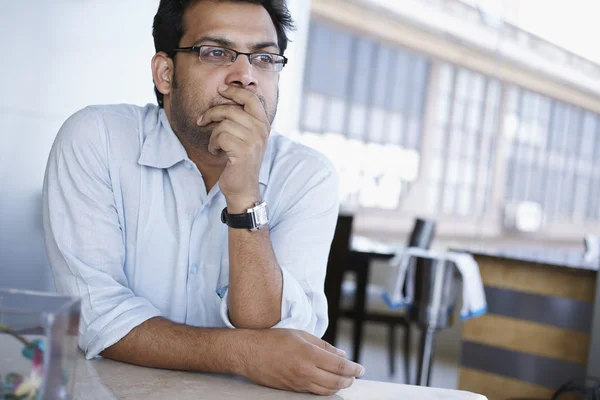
<point>478,132</point>
<point>376,45</point>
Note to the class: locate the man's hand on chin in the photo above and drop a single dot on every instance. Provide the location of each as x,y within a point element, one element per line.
<point>241,132</point>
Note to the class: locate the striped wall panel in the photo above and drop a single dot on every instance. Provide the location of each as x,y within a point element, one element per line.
<point>536,335</point>
<point>500,387</point>
<point>548,280</point>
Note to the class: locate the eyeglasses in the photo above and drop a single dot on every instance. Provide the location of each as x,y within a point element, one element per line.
<point>216,55</point>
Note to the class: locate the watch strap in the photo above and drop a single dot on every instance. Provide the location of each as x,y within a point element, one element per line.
<point>238,221</point>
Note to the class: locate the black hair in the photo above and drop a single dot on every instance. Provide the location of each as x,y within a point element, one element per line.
<point>168,25</point>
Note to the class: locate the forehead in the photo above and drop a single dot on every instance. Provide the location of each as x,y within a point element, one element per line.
<point>242,23</point>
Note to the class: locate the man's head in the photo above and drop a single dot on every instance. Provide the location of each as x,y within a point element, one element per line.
<point>187,87</point>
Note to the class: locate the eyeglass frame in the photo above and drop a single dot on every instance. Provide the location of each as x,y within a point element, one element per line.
<point>196,49</point>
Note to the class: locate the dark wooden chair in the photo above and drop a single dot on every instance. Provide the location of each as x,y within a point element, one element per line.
<point>340,261</point>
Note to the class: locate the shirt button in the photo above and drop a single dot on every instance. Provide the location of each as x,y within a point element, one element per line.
<point>188,165</point>
<point>193,269</point>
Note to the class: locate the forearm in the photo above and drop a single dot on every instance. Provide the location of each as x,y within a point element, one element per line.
<point>160,343</point>
<point>255,280</point>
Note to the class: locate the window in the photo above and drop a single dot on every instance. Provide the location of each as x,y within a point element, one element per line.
<point>551,158</point>
<point>363,107</point>
<point>465,126</point>
<point>527,130</point>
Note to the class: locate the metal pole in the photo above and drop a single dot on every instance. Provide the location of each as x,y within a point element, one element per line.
<point>426,356</point>
<point>422,233</point>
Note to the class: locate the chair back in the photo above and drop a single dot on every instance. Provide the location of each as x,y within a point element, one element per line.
<point>337,263</point>
<point>340,245</point>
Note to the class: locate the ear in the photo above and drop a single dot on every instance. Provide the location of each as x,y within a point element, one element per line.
<point>162,72</point>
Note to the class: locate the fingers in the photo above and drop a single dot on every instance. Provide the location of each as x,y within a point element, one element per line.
<point>337,365</point>
<point>330,381</point>
<point>246,98</point>
<point>231,112</point>
<point>320,390</point>
<point>331,359</point>
<point>324,345</point>
<point>308,376</point>
<point>224,139</point>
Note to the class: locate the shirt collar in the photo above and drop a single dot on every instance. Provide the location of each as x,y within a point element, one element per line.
<point>162,149</point>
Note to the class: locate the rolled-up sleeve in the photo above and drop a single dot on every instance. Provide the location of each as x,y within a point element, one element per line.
<point>83,234</point>
<point>301,236</point>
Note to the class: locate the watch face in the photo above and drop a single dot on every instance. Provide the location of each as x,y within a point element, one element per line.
<point>260,217</point>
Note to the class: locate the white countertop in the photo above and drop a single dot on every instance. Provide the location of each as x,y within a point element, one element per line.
<point>103,379</point>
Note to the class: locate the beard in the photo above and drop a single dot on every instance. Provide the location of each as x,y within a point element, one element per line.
<point>186,109</point>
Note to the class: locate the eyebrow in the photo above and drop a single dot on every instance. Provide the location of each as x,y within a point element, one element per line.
<point>228,43</point>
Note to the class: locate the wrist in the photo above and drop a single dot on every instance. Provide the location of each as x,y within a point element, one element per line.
<point>239,205</point>
<point>244,353</point>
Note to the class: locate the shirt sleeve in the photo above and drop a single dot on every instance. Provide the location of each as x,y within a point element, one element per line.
<point>83,235</point>
<point>301,237</point>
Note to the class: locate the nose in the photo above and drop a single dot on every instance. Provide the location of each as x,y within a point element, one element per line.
<point>241,73</point>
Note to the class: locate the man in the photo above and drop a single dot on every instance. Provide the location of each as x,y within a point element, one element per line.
<point>156,216</point>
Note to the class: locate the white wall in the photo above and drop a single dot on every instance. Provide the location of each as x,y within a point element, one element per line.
<point>291,83</point>
<point>57,57</point>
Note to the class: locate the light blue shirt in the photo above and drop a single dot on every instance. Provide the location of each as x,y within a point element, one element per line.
<point>130,228</point>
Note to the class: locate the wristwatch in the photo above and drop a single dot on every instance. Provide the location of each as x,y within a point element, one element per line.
<point>254,218</point>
